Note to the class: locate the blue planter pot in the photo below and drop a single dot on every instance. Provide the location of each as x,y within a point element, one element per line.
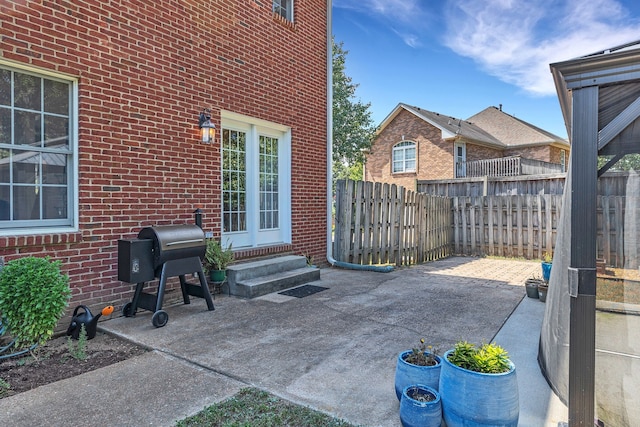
<point>546,271</point>
<point>408,374</point>
<point>473,399</point>
<point>416,413</point>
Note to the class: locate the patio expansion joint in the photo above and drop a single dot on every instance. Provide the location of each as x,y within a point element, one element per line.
<point>204,367</point>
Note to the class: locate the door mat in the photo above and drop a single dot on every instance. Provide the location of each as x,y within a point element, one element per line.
<point>303,291</point>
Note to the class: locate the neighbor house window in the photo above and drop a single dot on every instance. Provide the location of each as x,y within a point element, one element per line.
<point>404,157</point>
<point>563,160</point>
<point>284,8</point>
<point>37,149</point>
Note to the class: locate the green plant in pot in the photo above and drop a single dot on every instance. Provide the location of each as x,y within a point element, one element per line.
<point>420,365</point>
<point>478,386</point>
<point>33,296</point>
<point>216,260</point>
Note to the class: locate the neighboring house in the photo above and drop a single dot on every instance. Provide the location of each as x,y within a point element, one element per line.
<point>415,144</point>
<point>99,129</point>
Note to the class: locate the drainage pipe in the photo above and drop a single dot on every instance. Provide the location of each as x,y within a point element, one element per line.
<point>330,258</point>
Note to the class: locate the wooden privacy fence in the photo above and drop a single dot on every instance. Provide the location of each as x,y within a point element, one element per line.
<point>510,226</point>
<point>618,225</point>
<point>494,186</point>
<point>526,226</point>
<point>377,223</point>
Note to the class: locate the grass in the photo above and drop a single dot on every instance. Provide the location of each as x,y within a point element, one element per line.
<point>617,290</point>
<point>251,407</point>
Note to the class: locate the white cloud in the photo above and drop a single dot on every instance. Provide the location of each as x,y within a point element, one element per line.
<point>395,10</point>
<point>405,17</point>
<point>516,41</point>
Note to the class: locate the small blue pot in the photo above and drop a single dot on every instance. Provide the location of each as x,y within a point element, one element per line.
<point>414,413</point>
<point>408,374</point>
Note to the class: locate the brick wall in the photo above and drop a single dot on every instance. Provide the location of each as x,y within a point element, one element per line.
<point>478,152</point>
<point>534,153</point>
<point>145,70</point>
<point>545,153</point>
<point>556,155</point>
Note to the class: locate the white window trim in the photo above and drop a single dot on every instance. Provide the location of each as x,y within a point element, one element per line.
<point>396,147</point>
<point>73,186</point>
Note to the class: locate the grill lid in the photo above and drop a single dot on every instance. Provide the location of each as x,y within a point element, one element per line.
<point>175,242</point>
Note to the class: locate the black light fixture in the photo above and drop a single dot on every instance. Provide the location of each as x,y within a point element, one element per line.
<point>207,129</point>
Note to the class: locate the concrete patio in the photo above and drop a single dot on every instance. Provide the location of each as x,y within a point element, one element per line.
<point>334,351</point>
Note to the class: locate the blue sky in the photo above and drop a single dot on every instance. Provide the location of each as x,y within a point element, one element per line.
<point>457,57</point>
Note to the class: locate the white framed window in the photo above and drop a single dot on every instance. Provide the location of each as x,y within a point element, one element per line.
<point>404,157</point>
<point>563,160</point>
<point>284,8</point>
<point>38,171</point>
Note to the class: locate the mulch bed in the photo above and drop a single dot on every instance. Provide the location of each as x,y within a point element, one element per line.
<point>54,362</point>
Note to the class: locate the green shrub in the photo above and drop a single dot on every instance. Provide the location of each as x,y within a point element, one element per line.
<point>33,296</point>
<point>488,359</point>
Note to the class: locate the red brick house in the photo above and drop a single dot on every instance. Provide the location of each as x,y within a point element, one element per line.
<point>99,129</point>
<point>415,144</point>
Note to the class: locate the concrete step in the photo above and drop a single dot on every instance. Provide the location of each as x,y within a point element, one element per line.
<point>258,286</point>
<point>264,267</point>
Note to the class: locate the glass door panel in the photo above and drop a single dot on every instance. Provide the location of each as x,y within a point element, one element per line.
<point>234,184</point>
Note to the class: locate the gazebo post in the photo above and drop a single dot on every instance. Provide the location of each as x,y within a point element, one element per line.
<point>582,271</point>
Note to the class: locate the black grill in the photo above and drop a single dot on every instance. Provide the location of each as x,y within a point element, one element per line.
<point>161,252</point>
<point>171,242</point>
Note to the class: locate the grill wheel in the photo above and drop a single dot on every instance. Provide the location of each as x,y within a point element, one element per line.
<point>160,318</point>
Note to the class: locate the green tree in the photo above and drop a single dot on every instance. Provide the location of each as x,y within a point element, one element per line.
<point>353,127</point>
<point>626,163</point>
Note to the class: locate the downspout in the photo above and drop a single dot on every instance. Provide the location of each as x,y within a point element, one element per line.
<point>330,258</point>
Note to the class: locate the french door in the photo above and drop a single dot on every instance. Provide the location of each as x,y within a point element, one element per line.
<point>256,184</point>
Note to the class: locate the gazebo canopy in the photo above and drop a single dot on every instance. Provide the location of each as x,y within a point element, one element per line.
<point>600,99</point>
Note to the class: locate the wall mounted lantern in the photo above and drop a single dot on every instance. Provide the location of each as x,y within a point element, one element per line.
<point>207,129</point>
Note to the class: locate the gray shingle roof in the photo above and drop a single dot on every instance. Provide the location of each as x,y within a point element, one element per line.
<point>491,127</point>
<point>512,131</point>
<point>454,126</point>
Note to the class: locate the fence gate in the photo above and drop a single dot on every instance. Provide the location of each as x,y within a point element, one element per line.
<point>377,223</point>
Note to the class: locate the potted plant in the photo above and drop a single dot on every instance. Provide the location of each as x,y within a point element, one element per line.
<point>420,406</point>
<point>547,259</point>
<point>543,290</point>
<point>216,259</point>
<point>532,284</point>
<point>478,386</point>
<point>33,296</point>
<point>420,365</point>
